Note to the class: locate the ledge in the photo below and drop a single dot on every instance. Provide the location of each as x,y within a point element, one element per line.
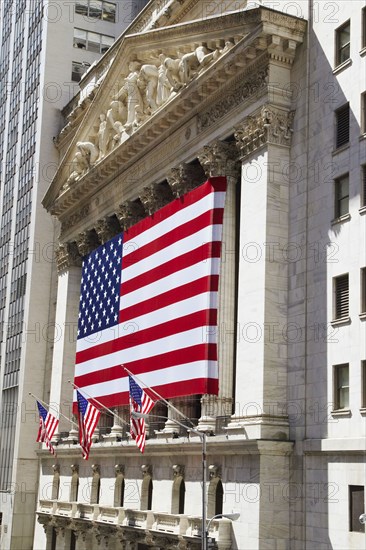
<point>339,68</point>
<point>340,149</point>
<point>340,322</point>
<point>341,219</point>
<point>362,210</point>
<point>363,411</point>
<point>341,413</point>
<point>363,51</point>
<point>351,445</point>
<point>362,316</point>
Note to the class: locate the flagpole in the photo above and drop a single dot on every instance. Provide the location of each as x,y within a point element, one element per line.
<point>49,406</point>
<point>99,403</point>
<point>169,405</point>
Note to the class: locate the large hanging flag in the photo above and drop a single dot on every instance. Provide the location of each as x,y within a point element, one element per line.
<point>88,416</point>
<point>47,426</point>
<point>149,301</point>
<point>139,402</point>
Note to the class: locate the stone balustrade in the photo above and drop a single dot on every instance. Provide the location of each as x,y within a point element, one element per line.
<point>81,516</point>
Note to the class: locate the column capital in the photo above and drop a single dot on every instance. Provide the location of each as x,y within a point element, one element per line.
<point>67,255</point>
<point>220,159</point>
<point>107,228</point>
<point>155,196</point>
<point>269,125</point>
<point>129,213</point>
<point>184,178</point>
<point>87,241</point>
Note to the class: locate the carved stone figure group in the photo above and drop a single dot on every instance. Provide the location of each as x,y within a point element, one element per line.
<point>145,89</point>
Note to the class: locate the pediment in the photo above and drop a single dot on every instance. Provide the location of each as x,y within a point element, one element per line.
<point>158,78</point>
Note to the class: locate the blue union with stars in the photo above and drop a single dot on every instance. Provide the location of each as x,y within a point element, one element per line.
<point>100,288</point>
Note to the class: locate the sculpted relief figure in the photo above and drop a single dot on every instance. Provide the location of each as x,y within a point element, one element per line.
<point>145,89</point>
<point>130,93</point>
<point>116,117</point>
<point>148,84</point>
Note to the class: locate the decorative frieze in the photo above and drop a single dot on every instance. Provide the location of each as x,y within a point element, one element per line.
<point>251,88</point>
<point>155,196</point>
<point>67,255</point>
<point>270,125</point>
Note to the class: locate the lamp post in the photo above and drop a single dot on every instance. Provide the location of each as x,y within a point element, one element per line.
<point>203,438</point>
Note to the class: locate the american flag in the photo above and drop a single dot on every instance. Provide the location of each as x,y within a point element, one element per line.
<point>47,426</point>
<point>88,420</point>
<point>149,301</point>
<point>142,403</point>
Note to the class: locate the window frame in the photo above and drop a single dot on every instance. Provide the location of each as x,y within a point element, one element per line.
<point>363,186</point>
<point>95,7</point>
<point>338,387</point>
<point>337,312</point>
<point>363,290</point>
<point>339,139</point>
<point>363,27</point>
<point>363,384</point>
<point>354,525</point>
<point>339,198</point>
<point>103,46</point>
<point>339,47</point>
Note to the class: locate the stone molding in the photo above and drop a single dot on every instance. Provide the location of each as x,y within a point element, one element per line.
<point>178,470</point>
<point>269,125</point>
<point>252,87</point>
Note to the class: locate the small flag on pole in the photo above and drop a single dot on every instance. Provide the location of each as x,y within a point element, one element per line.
<point>139,402</point>
<point>47,426</point>
<point>88,419</point>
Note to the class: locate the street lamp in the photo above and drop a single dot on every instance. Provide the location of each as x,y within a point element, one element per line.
<point>203,437</point>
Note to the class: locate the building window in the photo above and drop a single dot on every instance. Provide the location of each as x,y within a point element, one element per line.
<point>342,125</point>
<point>356,507</point>
<point>92,41</point>
<point>341,297</point>
<point>363,290</point>
<point>341,387</point>
<point>341,196</point>
<point>363,113</point>
<point>342,39</point>
<point>363,385</point>
<point>363,185</point>
<point>363,17</point>
<point>77,71</point>
<point>96,9</point>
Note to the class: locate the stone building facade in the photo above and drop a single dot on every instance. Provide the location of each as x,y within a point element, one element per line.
<point>271,99</point>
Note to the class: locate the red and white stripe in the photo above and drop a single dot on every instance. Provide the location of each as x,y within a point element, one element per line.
<point>167,331</point>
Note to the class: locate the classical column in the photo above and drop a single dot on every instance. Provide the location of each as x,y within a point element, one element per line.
<point>68,292</point>
<point>48,529</point>
<point>263,140</point>
<point>221,159</point>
